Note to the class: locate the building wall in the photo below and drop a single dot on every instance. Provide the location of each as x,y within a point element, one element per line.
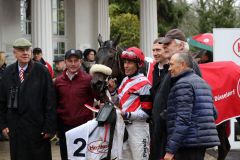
<point>86,24</point>
<point>70,24</point>
<point>10,25</point>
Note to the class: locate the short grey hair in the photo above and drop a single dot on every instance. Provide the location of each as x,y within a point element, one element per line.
<point>185,57</point>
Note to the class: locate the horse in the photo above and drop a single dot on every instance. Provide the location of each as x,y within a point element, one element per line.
<point>107,113</point>
<point>109,54</point>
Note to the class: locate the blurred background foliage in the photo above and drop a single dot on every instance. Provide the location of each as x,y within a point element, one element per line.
<point>193,17</point>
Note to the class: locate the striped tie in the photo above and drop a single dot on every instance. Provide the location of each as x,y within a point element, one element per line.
<point>21,75</point>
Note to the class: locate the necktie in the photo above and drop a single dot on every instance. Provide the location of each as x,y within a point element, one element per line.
<point>21,75</point>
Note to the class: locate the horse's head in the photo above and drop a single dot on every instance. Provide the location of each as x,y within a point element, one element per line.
<point>100,76</point>
<point>99,82</point>
<point>109,54</point>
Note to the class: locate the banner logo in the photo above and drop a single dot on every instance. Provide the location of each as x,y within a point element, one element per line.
<point>238,88</point>
<point>236,47</point>
<point>98,147</point>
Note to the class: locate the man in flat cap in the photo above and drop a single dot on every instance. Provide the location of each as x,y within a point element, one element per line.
<point>27,106</point>
<point>173,42</point>
<point>73,90</point>
<point>59,65</point>
<point>37,56</point>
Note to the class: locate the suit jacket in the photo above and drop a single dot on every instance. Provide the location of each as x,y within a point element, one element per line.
<point>35,111</point>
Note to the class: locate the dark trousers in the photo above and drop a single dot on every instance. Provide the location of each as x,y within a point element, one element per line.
<point>193,153</point>
<point>158,139</point>
<point>224,147</point>
<point>62,129</point>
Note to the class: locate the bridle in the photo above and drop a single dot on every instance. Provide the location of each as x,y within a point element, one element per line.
<point>117,55</point>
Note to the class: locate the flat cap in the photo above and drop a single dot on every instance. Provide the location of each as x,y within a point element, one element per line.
<point>58,58</point>
<point>22,43</point>
<point>73,52</point>
<point>173,34</point>
<point>37,51</point>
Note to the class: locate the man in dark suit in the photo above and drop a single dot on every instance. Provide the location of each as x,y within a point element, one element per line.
<point>27,106</point>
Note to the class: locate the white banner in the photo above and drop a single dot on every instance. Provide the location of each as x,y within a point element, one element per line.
<point>226,47</point>
<point>226,44</point>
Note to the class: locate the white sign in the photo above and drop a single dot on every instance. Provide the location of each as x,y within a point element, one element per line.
<point>226,47</point>
<point>226,42</point>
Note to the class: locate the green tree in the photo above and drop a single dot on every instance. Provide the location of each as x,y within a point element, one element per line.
<point>127,25</point>
<point>124,6</point>
<point>189,23</point>
<point>216,14</point>
<point>124,20</point>
<point>170,14</point>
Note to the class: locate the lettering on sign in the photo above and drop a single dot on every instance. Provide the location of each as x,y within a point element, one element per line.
<point>98,147</point>
<point>236,47</point>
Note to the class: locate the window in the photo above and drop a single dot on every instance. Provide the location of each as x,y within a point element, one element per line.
<point>58,17</point>
<point>25,15</point>
<point>58,48</point>
<point>58,27</point>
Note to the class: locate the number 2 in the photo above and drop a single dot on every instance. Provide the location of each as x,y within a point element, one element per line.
<point>77,152</point>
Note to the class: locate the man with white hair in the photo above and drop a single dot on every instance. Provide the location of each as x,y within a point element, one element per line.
<point>173,42</point>
<point>27,106</point>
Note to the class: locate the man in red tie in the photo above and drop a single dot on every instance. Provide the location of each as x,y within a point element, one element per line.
<point>27,106</point>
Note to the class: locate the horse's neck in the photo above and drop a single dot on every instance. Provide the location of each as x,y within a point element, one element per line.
<point>105,96</point>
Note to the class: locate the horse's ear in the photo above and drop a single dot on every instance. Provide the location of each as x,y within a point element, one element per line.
<point>100,41</point>
<point>116,41</point>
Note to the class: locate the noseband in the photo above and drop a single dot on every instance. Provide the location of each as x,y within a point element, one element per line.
<point>101,86</point>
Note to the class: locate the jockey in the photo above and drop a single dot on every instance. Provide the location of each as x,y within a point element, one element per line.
<point>136,105</point>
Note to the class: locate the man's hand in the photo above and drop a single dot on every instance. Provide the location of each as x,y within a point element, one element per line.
<point>168,156</point>
<point>123,114</point>
<point>5,133</point>
<point>46,135</point>
<point>112,85</point>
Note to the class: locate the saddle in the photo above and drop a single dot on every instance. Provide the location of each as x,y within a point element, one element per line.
<point>107,114</point>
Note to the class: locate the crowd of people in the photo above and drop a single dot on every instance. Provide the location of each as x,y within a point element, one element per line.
<point>169,118</point>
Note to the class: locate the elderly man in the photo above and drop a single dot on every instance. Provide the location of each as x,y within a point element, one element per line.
<point>173,42</point>
<point>190,113</point>
<point>27,106</point>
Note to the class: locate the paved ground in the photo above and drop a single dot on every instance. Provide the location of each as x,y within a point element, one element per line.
<point>4,153</point>
<point>232,155</point>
